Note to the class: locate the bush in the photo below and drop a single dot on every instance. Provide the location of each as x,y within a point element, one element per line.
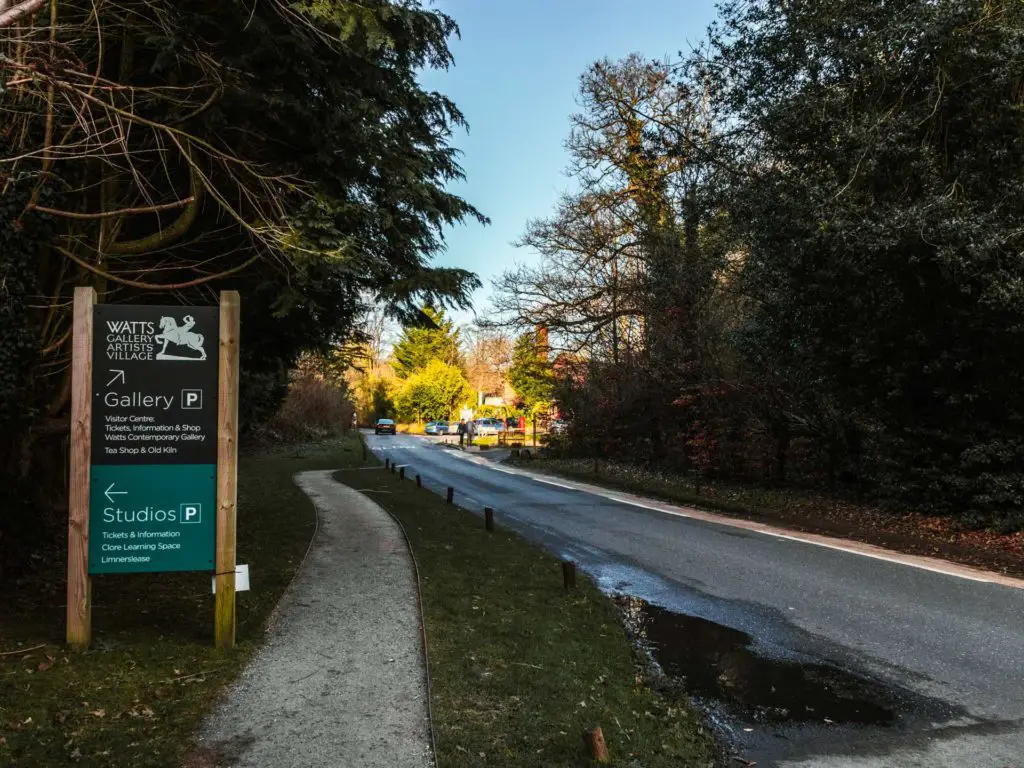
<point>312,409</point>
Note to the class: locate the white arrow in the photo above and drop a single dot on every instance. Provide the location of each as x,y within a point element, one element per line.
<point>110,493</point>
<point>117,375</point>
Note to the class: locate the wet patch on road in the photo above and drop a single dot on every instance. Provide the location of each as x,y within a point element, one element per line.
<point>715,663</point>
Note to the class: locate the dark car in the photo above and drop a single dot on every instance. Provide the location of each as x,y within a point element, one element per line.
<point>385,427</point>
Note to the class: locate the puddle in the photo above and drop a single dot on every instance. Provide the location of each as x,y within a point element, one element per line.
<point>715,662</point>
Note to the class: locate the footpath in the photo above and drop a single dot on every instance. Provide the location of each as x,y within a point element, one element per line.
<point>341,680</point>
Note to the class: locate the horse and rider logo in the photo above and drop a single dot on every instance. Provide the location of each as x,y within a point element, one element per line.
<point>181,336</point>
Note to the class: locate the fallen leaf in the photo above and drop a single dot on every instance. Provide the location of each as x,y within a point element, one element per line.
<point>98,712</point>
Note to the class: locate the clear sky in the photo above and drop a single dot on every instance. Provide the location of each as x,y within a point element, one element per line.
<point>515,78</point>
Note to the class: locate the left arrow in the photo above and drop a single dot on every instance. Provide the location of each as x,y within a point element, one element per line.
<point>110,493</point>
<point>117,375</point>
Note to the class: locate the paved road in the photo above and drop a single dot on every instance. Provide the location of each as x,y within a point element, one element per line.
<point>947,651</point>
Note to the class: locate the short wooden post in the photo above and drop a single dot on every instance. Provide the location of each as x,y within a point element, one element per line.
<point>401,473</point>
<point>488,518</point>
<point>569,574</point>
<point>227,471</point>
<point>451,494</point>
<point>393,467</point>
<point>419,481</point>
<point>364,452</point>
<point>387,463</point>
<point>594,740</point>
<point>79,600</point>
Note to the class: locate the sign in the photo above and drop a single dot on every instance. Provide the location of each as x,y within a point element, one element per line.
<point>153,473</point>
<point>241,579</point>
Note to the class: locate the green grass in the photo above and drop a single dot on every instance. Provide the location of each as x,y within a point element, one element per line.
<point>520,666</point>
<point>138,696</point>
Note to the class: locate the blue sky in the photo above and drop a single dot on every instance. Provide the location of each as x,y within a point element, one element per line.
<point>515,77</point>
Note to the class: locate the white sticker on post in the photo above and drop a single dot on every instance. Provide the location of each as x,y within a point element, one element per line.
<point>241,580</point>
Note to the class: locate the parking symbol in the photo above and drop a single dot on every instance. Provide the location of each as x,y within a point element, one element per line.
<point>191,513</point>
<point>192,399</point>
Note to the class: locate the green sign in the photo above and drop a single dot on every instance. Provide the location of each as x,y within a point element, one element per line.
<point>153,474</point>
<point>152,518</point>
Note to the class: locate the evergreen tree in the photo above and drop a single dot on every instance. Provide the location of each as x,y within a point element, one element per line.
<point>531,374</point>
<point>433,392</point>
<point>883,209</point>
<point>433,337</point>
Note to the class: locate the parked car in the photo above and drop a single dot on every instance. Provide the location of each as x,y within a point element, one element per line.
<point>488,426</point>
<point>385,427</point>
<point>437,428</point>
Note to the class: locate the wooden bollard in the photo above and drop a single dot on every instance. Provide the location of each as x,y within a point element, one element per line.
<point>569,574</point>
<point>451,494</point>
<point>393,467</point>
<point>419,481</point>
<point>594,739</point>
<point>387,463</point>
<point>364,451</point>
<point>488,518</point>
<point>401,473</point>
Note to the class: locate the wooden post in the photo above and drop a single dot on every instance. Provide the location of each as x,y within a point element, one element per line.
<point>594,740</point>
<point>364,452</point>
<point>401,473</point>
<point>488,518</point>
<point>569,574</point>
<point>451,494</point>
<point>79,605</point>
<point>387,463</point>
<point>419,481</point>
<point>227,471</point>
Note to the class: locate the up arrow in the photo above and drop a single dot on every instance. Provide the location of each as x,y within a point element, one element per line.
<point>110,493</point>
<point>117,375</point>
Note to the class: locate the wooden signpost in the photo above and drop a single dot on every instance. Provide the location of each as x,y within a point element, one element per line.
<point>154,428</point>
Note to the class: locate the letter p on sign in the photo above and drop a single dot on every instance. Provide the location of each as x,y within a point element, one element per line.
<point>191,513</point>
<point>192,399</point>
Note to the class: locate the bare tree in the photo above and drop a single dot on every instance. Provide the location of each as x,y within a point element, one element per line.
<point>12,13</point>
<point>488,357</point>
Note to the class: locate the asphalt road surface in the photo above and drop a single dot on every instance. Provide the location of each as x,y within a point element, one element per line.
<point>944,652</point>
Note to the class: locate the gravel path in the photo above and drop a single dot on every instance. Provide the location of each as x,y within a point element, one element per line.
<point>340,682</point>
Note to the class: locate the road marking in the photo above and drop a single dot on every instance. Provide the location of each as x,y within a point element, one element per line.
<point>560,485</point>
<point>930,564</point>
<point>886,555</point>
<point>933,565</point>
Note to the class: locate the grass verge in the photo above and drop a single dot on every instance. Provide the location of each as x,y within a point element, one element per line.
<point>138,696</point>
<point>520,666</point>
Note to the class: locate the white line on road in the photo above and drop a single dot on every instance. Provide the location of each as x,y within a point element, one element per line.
<point>933,565</point>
